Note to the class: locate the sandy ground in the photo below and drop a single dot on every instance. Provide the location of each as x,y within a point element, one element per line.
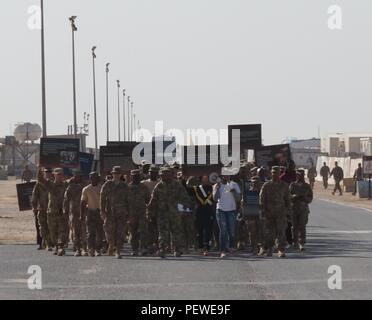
<point>19,227</point>
<point>15,227</point>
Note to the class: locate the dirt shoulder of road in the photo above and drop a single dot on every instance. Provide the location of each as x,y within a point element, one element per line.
<point>19,227</point>
<point>15,227</point>
<point>346,198</point>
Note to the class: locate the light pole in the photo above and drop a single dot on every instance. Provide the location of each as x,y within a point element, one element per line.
<point>131,118</point>
<point>43,94</point>
<point>107,102</point>
<point>124,128</point>
<point>74,29</point>
<point>134,124</point>
<point>118,82</point>
<point>95,100</point>
<point>128,106</point>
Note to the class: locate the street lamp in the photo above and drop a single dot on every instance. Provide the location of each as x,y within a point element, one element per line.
<point>107,102</point>
<point>95,100</point>
<point>43,94</point>
<point>131,118</point>
<point>118,82</point>
<point>128,106</point>
<point>124,115</point>
<point>74,29</point>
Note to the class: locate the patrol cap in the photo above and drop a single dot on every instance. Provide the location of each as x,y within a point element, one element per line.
<point>164,170</point>
<point>93,174</point>
<point>300,172</point>
<point>58,171</point>
<point>48,170</point>
<point>116,169</point>
<point>135,172</point>
<point>275,169</point>
<point>175,165</point>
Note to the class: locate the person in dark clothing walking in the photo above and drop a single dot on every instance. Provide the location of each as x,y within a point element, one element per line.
<point>205,213</point>
<point>358,176</point>
<point>289,176</point>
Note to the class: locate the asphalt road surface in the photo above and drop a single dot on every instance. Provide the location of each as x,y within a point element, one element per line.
<point>338,236</point>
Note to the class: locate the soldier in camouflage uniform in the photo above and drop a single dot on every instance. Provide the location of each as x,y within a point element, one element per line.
<point>312,174</point>
<point>338,175</point>
<point>114,211</point>
<point>275,205</point>
<point>138,197</point>
<point>187,214</point>
<point>301,195</point>
<point>40,198</point>
<point>71,205</point>
<point>151,215</point>
<point>165,198</point>
<point>57,219</point>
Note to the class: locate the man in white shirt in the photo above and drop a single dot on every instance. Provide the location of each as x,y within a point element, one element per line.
<point>227,194</point>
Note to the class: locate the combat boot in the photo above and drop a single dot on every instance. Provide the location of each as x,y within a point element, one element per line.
<point>261,252</point>
<point>85,253</point>
<point>281,254</point>
<point>161,253</point>
<point>118,255</point>
<point>178,254</point>
<point>302,248</point>
<point>61,252</point>
<point>269,253</point>
<point>98,253</point>
<point>77,253</point>
<point>110,250</point>
<point>91,253</point>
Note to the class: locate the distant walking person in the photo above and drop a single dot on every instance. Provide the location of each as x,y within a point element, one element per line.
<point>358,176</point>
<point>338,175</point>
<point>311,175</point>
<point>27,175</point>
<point>325,173</point>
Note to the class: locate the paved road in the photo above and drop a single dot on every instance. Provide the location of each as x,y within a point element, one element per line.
<point>338,235</point>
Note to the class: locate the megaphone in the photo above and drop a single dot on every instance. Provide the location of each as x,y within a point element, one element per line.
<point>214,178</point>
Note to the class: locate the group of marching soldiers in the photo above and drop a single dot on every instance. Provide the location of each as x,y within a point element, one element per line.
<point>160,211</point>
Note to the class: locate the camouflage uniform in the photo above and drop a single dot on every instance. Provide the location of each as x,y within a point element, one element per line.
<point>324,172</point>
<point>151,215</point>
<point>275,205</point>
<point>40,197</point>
<point>114,211</point>
<point>338,175</point>
<point>138,197</point>
<point>301,195</point>
<point>71,205</point>
<point>165,197</point>
<point>57,219</point>
<point>311,174</point>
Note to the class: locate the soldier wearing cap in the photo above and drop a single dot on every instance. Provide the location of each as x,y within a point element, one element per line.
<point>114,211</point>
<point>57,219</point>
<point>151,215</point>
<point>39,200</point>
<point>251,214</point>
<point>71,206</point>
<point>145,167</point>
<point>301,196</point>
<point>275,206</point>
<point>90,215</point>
<point>138,197</point>
<point>165,198</point>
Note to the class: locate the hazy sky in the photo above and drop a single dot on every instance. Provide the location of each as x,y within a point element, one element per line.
<point>194,64</point>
